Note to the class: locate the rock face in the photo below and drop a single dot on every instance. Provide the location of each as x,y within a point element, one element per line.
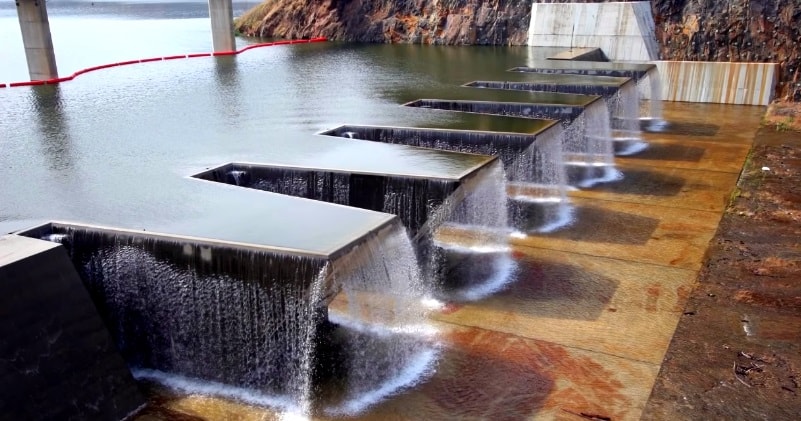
<point>493,22</point>
<point>734,30</point>
<point>701,30</point>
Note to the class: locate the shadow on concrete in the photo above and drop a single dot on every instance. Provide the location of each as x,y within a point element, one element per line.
<point>689,129</point>
<point>644,183</point>
<point>597,225</point>
<point>558,290</point>
<point>670,152</point>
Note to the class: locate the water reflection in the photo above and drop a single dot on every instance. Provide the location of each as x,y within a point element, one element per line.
<point>226,75</point>
<point>55,135</point>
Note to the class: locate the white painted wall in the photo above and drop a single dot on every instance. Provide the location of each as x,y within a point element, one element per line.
<point>624,31</point>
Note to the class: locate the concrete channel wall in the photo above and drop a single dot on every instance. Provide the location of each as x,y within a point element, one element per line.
<point>57,359</point>
<point>725,83</point>
<point>625,31</point>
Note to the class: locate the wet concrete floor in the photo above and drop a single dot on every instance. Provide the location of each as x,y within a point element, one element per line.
<point>736,353</point>
<point>582,331</point>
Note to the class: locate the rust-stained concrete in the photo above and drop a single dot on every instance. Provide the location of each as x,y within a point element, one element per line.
<point>737,350</point>
<point>582,330</point>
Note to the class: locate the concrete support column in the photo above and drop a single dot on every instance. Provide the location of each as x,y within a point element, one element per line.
<point>36,39</point>
<point>222,25</point>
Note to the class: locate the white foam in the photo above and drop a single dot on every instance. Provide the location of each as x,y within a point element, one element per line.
<point>478,249</point>
<point>610,174</point>
<point>538,199</point>
<point>193,386</point>
<point>588,164</point>
<point>654,124</point>
<point>564,217</point>
<point>504,267</point>
<point>633,148</point>
<point>382,330</point>
<point>431,303</point>
<point>420,368</point>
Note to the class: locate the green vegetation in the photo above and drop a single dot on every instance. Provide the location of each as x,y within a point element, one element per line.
<point>785,125</point>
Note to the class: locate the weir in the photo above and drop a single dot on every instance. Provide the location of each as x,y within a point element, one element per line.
<point>534,160</point>
<point>423,203</point>
<point>645,75</point>
<point>588,150</point>
<point>516,109</point>
<point>620,94</point>
<point>250,320</point>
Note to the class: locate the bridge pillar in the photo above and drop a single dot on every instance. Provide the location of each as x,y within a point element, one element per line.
<point>222,25</point>
<point>36,39</point>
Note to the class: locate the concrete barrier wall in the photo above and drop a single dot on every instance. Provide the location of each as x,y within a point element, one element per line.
<point>623,30</point>
<point>57,359</point>
<point>725,83</point>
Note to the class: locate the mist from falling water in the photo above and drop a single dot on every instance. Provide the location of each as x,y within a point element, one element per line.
<point>588,146</point>
<point>479,211</point>
<point>228,322</point>
<point>386,344</point>
<point>546,186</point>
<point>480,204</point>
<point>651,86</point>
<point>250,332</point>
<point>624,107</point>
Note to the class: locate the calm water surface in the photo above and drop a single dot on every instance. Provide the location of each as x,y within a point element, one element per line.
<point>115,147</point>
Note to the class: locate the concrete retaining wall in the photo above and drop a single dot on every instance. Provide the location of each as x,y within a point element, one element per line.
<point>624,31</point>
<point>57,359</point>
<point>726,83</point>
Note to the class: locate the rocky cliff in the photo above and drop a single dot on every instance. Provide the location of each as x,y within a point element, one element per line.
<point>713,30</point>
<point>416,21</point>
<point>734,30</point>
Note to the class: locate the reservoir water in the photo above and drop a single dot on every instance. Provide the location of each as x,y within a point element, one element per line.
<point>116,146</point>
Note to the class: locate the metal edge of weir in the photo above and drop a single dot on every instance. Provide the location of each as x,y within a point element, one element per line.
<point>349,244</point>
<point>601,83</point>
<point>154,235</point>
<point>468,101</point>
<point>549,123</point>
<point>265,165</point>
<point>562,65</point>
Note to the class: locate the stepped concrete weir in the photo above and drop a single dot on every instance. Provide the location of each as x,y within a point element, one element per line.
<point>645,75</point>
<point>423,203</point>
<point>532,159</point>
<point>620,94</point>
<point>244,319</point>
<point>587,142</point>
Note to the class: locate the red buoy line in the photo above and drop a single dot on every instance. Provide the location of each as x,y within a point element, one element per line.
<point>148,60</point>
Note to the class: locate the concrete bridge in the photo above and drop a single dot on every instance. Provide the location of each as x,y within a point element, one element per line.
<point>38,43</point>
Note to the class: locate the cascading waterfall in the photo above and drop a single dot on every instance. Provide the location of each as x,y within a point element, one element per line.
<point>484,202</point>
<point>478,215</point>
<point>382,338</point>
<point>516,151</point>
<point>588,149</point>
<point>411,199</point>
<point>625,110</point>
<point>542,205</point>
<point>238,323</point>
<point>650,86</point>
